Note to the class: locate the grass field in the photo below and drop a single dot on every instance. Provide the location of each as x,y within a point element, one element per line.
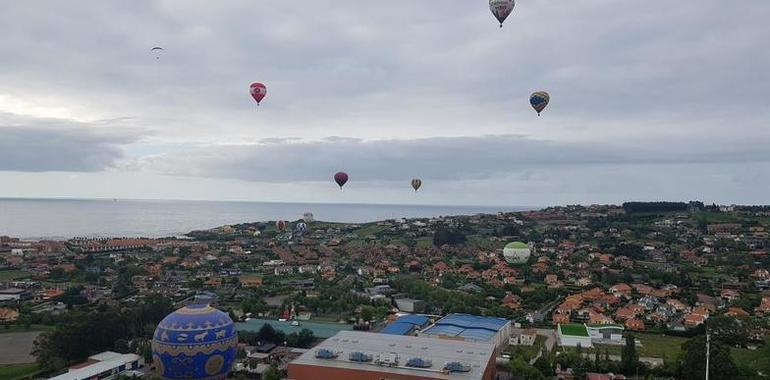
<point>13,274</point>
<point>574,329</point>
<point>424,242</point>
<point>18,328</point>
<point>18,371</point>
<point>758,359</point>
<point>652,346</point>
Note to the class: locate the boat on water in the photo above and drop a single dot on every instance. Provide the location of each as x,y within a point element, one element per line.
<point>295,323</point>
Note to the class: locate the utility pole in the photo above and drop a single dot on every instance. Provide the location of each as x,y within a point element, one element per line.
<point>708,341</point>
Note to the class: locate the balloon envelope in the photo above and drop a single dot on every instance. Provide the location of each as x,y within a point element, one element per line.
<point>341,178</point>
<point>258,91</point>
<point>539,100</point>
<point>280,225</point>
<point>416,183</point>
<point>501,9</point>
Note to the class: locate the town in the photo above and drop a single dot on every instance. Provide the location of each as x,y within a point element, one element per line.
<point>638,290</point>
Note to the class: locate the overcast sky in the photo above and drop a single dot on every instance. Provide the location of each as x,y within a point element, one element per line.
<point>649,101</point>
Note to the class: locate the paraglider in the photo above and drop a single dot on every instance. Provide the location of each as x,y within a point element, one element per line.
<point>280,225</point>
<point>156,51</point>
<point>501,9</point>
<point>258,91</point>
<point>341,178</point>
<point>539,100</point>
<point>416,183</point>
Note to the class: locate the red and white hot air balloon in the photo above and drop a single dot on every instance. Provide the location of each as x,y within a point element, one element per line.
<point>280,225</point>
<point>258,91</point>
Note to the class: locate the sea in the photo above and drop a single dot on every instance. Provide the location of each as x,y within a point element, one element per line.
<point>61,219</point>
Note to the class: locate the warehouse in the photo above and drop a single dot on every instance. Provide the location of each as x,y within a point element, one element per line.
<point>471,328</point>
<point>356,355</point>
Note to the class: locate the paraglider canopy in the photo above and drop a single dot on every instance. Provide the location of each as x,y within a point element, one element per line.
<point>258,91</point>
<point>416,183</point>
<point>341,178</point>
<point>156,51</point>
<point>501,9</point>
<point>539,100</point>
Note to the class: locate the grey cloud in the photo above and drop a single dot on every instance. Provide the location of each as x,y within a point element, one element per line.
<point>36,145</point>
<point>441,158</point>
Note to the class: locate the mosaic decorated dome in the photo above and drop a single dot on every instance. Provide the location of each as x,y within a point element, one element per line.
<point>194,342</point>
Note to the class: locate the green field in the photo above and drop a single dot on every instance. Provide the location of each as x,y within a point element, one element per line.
<point>758,359</point>
<point>13,274</point>
<point>371,229</point>
<point>652,346</point>
<point>424,242</point>
<point>574,329</point>
<point>18,371</point>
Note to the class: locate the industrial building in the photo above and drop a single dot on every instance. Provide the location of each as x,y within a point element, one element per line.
<point>105,366</point>
<point>356,355</point>
<point>471,328</point>
<point>406,325</point>
<point>410,305</point>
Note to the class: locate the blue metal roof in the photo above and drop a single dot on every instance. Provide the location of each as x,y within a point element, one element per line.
<point>398,328</point>
<point>405,325</point>
<point>468,326</point>
<point>417,320</point>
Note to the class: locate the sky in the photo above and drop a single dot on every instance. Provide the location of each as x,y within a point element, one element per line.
<point>648,101</point>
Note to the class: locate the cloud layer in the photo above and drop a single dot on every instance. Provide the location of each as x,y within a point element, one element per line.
<point>414,88</point>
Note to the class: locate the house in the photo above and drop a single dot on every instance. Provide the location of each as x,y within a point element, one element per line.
<point>8,315</point>
<point>694,319</point>
<point>559,318</point>
<point>524,338</point>
<point>736,312</point>
<point>635,324</point>
<point>764,307</point>
<point>250,281</point>
<point>620,290</point>
<point>729,295</point>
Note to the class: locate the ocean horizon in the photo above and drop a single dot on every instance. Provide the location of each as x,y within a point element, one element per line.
<point>64,218</point>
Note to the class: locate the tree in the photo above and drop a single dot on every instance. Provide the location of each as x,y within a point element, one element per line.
<point>521,370</point>
<point>272,373</point>
<point>629,359</point>
<point>728,330</point>
<point>721,365</point>
<point>543,364</point>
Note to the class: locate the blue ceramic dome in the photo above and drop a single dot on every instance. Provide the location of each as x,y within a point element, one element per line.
<point>194,342</point>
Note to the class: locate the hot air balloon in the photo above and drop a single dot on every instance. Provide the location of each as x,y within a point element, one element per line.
<point>341,178</point>
<point>539,100</point>
<point>416,183</point>
<point>157,51</point>
<point>301,227</point>
<point>501,9</point>
<point>280,225</point>
<point>258,91</point>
